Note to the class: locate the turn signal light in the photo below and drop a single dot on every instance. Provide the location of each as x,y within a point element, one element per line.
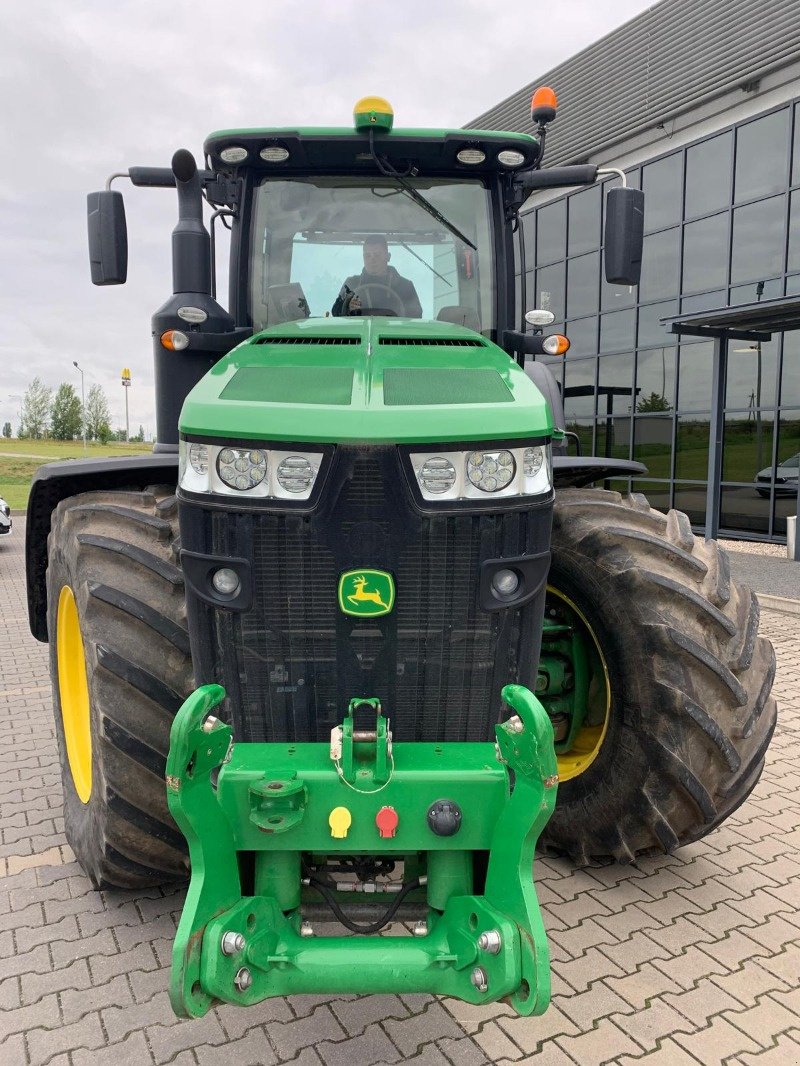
<point>543,104</point>
<point>174,340</point>
<point>556,344</point>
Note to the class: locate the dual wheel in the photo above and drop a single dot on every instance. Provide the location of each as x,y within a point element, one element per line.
<point>681,707</point>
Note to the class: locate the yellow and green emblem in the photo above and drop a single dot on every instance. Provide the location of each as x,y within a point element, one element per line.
<point>366,593</point>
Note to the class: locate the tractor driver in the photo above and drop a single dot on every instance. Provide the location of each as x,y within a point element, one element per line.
<point>378,287</point>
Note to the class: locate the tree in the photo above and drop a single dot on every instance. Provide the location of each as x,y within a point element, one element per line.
<point>6,429</point>
<point>65,420</point>
<point>98,416</point>
<point>35,410</point>
<point>654,402</point>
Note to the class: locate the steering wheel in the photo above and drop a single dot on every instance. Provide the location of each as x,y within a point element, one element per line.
<point>378,301</point>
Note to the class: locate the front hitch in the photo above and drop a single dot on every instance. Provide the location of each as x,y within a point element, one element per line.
<point>254,816</point>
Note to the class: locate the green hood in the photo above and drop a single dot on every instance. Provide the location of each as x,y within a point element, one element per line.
<point>366,380</point>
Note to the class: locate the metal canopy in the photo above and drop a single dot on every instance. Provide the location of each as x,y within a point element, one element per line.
<point>754,322</point>
<point>766,316</point>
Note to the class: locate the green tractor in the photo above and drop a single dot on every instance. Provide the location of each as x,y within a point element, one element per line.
<point>337,643</point>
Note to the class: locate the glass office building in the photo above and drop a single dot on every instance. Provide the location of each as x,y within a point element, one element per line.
<point>722,228</point>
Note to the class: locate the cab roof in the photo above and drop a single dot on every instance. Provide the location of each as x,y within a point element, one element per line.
<point>342,149</point>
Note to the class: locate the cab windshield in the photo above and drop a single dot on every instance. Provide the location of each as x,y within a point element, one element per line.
<point>347,246</point>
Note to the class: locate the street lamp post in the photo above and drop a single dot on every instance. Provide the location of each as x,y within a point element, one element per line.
<point>83,403</point>
<point>126,384</point>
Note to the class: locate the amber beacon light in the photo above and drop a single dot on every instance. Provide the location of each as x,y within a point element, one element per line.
<point>543,105</point>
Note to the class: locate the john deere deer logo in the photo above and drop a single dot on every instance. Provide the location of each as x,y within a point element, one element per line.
<point>366,593</point>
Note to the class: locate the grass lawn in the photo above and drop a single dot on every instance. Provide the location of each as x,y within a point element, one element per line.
<point>19,460</point>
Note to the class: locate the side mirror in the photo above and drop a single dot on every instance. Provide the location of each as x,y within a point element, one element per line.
<point>624,236</point>
<point>108,237</point>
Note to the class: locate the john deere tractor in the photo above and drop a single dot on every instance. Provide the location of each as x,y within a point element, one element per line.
<point>334,647</point>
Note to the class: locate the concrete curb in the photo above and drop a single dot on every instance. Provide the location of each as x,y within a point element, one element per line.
<point>779,603</point>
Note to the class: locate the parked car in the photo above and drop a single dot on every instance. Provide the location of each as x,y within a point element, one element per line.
<point>5,517</point>
<point>785,478</point>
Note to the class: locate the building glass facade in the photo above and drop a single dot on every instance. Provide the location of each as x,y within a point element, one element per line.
<point>722,227</point>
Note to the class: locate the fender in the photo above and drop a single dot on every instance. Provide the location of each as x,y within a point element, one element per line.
<point>54,482</point>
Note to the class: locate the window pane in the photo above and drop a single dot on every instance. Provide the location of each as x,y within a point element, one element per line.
<point>657,493</point>
<point>662,182</point>
<point>651,329</point>
<point>614,436</point>
<point>551,235</point>
<point>796,162</point>
<point>691,499</point>
<point>613,297</point>
<point>584,220</point>
<point>694,388</point>
<point>788,437</point>
<point>579,390</point>
<point>784,506</point>
<point>758,240</point>
<point>550,290</point>
<point>747,446</point>
<point>761,155</point>
<point>691,449</point>
<point>793,285</point>
<point>652,444</point>
<point>748,294</point>
<point>752,370</point>
<point>528,222</point>
<point>743,508</point>
<point>794,232</point>
<point>790,378</point>
<point>615,384</point>
<point>616,331</point>
<point>705,254</point>
<point>706,301</point>
<point>583,288</point>
<point>582,337</point>
<point>660,257</point>
<point>655,380</point>
<point>708,168</point>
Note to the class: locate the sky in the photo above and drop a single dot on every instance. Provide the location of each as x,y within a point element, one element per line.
<point>90,88</point>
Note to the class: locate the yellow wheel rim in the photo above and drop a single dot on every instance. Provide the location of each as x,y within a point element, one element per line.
<point>589,739</point>
<point>73,691</point>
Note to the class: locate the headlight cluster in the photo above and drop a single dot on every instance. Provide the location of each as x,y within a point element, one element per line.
<point>476,475</point>
<point>257,472</point>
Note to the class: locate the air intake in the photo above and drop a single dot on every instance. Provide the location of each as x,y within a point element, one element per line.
<point>307,340</point>
<point>432,342</point>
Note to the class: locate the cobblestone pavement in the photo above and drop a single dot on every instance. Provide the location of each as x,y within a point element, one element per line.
<point>686,959</point>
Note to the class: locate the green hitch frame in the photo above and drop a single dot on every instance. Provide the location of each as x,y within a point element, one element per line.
<point>275,802</point>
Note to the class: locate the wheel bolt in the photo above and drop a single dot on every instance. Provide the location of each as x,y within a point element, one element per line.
<point>479,979</point>
<point>491,942</point>
<point>420,928</point>
<point>243,979</point>
<point>209,723</point>
<point>232,943</point>
<point>306,929</point>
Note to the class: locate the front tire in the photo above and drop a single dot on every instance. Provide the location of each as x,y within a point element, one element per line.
<point>690,714</point>
<point>120,667</point>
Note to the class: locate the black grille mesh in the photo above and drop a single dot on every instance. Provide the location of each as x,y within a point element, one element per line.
<point>437,662</point>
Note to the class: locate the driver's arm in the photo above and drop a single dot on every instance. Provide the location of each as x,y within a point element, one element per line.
<point>342,302</point>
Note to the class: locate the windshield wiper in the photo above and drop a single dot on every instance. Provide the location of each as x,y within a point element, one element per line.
<point>385,167</point>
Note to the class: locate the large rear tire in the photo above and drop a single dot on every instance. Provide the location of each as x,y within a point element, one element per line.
<point>120,666</point>
<point>690,714</point>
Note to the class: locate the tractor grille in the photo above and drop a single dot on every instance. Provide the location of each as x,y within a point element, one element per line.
<point>292,661</point>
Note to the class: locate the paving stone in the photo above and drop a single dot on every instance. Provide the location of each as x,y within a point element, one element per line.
<point>604,1043</point>
<point>716,1043</point>
<point>372,1046</point>
<point>464,1052</point>
<point>288,1038</point>
<point>434,1023</point>
<point>167,1040</point>
<point>132,1051</point>
<point>248,1050</point>
<point>356,1014</point>
<point>43,1044</point>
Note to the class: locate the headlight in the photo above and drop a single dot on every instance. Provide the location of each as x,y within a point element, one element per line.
<point>242,469</point>
<point>437,474</point>
<point>261,473</point>
<point>476,475</point>
<point>491,471</point>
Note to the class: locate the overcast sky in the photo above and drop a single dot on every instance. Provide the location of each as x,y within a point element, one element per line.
<point>90,88</point>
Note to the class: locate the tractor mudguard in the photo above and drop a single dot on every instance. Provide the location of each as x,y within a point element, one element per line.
<point>433,804</point>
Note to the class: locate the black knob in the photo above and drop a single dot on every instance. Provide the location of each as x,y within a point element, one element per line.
<point>444,818</point>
